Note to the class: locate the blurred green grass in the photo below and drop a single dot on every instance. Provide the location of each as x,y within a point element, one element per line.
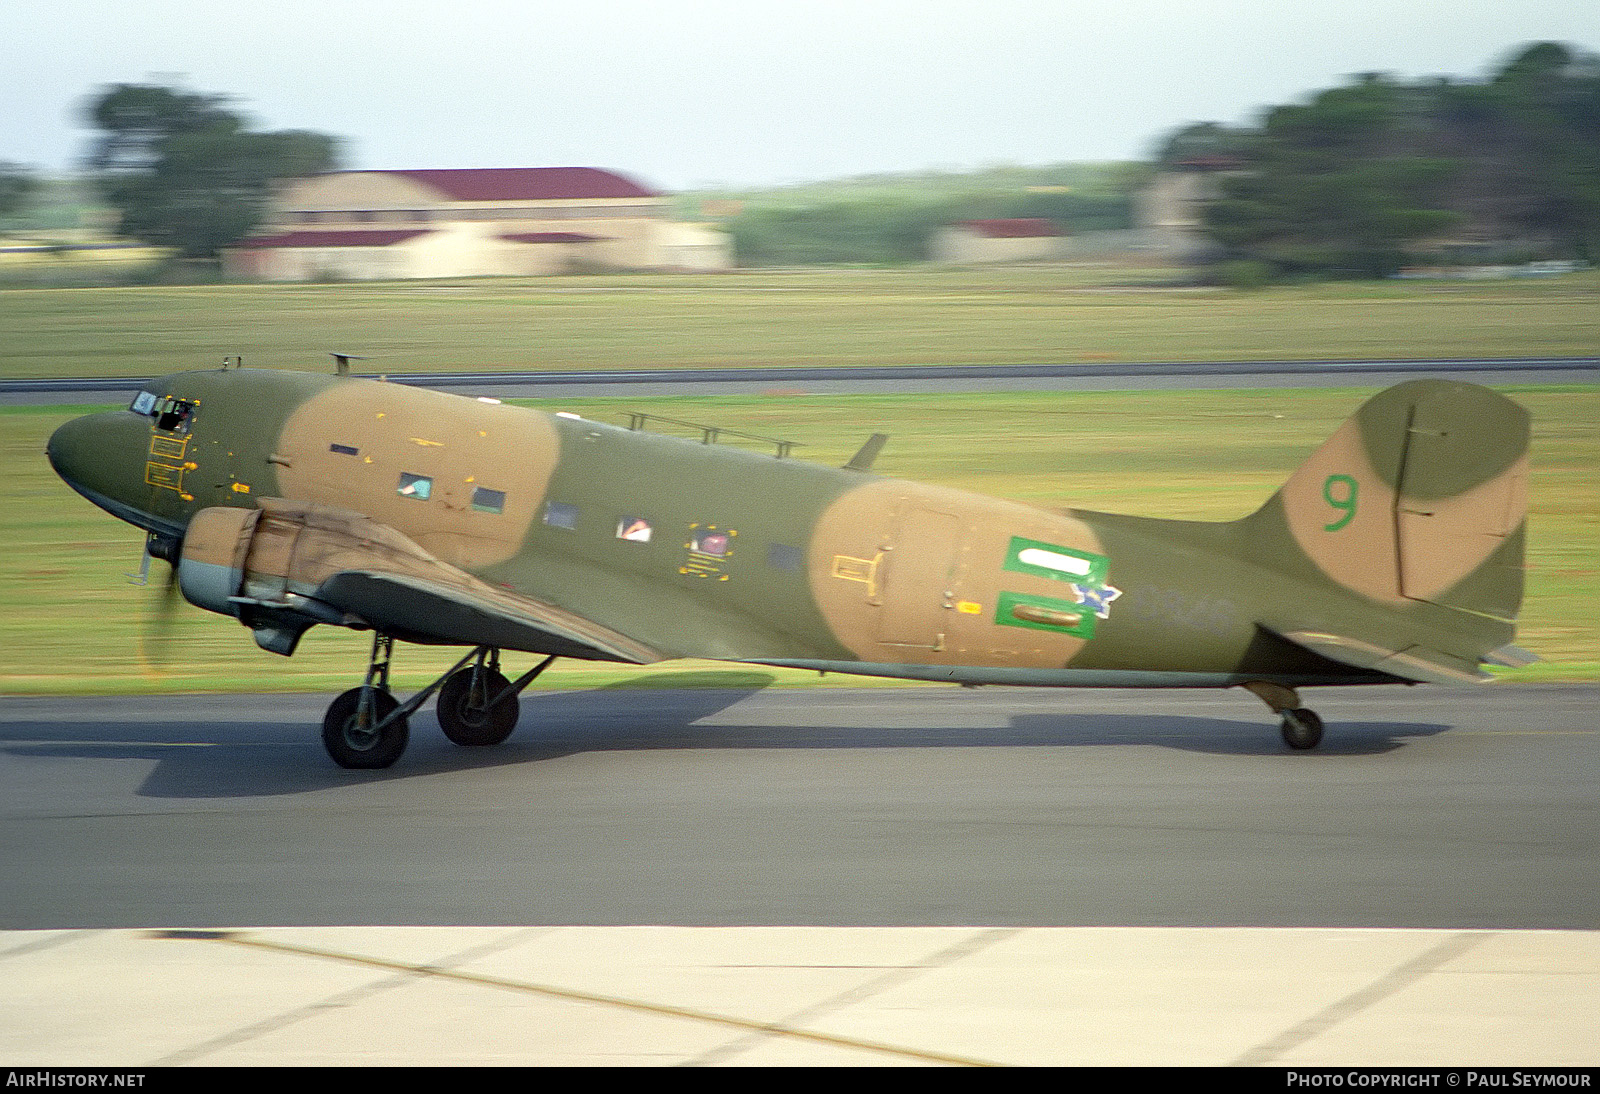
<point>70,622</point>
<point>912,315</point>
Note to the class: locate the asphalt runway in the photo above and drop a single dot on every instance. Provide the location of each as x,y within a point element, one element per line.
<point>905,379</point>
<point>1425,807</point>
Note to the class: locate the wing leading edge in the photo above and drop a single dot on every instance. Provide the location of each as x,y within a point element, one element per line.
<point>418,610</point>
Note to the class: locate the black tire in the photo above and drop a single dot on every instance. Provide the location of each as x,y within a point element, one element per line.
<point>466,718</point>
<point>1302,729</point>
<point>355,745</point>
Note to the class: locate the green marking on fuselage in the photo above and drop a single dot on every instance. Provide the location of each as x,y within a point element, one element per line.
<point>1043,613</point>
<point>1031,556</point>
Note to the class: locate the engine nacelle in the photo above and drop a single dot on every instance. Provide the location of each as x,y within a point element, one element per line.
<point>266,567</point>
<point>211,562</point>
<point>252,564</point>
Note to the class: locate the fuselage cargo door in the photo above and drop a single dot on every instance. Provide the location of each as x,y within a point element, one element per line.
<point>921,571</point>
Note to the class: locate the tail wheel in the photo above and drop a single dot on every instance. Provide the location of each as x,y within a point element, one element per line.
<point>1302,729</point>
<point>464,709</point>
<point>351,733</point>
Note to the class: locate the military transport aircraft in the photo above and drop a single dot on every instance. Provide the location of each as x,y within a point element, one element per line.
<point>286,499</point>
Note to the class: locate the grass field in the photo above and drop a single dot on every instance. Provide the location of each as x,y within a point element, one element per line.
<point>911,315</point>
<point>70,622</point>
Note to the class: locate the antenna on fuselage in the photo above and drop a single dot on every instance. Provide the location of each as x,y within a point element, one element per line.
<point>234,359</point>
<point>342,361</point>
<point>862,460</point>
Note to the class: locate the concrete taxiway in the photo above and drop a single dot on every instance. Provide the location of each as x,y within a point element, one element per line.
<point>749,876</point>
<point>799,996</point>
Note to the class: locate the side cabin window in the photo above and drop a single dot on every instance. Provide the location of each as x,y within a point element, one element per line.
<point>485,500</point>
<point>414,486</point>
<point>558,514</point>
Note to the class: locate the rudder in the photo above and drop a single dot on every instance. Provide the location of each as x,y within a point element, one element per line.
<point>1420,497</point>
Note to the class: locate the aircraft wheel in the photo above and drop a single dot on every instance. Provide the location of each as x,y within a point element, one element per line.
<point>1302,729</point>
<point>464,713</point>
<point>351,739</point>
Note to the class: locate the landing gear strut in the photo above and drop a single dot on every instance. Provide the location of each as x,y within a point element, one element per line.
<point>1301,728</point>
<point>367,727</point>
<point>468,710</point>
<point>362,728</point>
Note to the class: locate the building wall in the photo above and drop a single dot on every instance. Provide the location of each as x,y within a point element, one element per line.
<point>316,264</point>
<point>962,246</point>
<point>372,199</point>
<point>1171,208</point>
<point>693,247</point>
<point>464,236</point>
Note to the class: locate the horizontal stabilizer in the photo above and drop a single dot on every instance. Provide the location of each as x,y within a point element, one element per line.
<point>1511,657</point>
<point>1419,663</point>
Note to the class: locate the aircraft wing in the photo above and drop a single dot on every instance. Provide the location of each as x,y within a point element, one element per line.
<point>419,610</point>
<point>1418,663</point>
<point>287,565</point>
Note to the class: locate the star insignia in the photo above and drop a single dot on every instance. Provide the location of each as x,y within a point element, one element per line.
<point>1097,598</point>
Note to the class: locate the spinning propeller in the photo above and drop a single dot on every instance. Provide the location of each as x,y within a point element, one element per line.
<point>155,637</point>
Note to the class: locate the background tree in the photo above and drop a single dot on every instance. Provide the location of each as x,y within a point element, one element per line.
<point>891,218</point>
<point>1532,135</point>
<point>1361,178</point>
<point>187,173</point>
<point>1337,185</point>
<point>1205,142</point>
<point>17,186</point>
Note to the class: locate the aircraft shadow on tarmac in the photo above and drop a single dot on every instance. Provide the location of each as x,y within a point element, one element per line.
<point>284,757</point>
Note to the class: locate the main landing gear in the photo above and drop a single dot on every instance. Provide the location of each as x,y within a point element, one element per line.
<point>1301,728</point>
<point>367,727</point>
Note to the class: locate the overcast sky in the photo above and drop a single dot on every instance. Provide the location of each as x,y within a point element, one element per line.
<point>681,94</point>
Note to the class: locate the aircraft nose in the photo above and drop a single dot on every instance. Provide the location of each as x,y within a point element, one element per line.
<point>67,448</point>
<point>100,455</point>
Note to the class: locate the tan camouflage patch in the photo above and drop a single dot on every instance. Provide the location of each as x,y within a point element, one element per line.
<point>1442,540</point>
<point>1349,522</point>
<point>217,536</point>
<point>907,573</point>
<point>1341,513</point>
<point>423,463</point>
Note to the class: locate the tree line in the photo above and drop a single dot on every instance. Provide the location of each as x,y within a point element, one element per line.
<point>1358,180</point>
<point>893,219</point>
<point>1368,177</point>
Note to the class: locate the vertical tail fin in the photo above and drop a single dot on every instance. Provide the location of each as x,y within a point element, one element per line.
<point>1418,499</point>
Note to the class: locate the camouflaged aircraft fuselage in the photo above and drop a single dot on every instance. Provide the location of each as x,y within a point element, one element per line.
<point>1393,554</point>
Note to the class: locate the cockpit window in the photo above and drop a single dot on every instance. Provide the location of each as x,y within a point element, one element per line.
<point>144,403</point>
<point>174,415</point>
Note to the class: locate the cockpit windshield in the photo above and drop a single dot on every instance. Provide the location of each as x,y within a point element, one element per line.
<point>170,414</point>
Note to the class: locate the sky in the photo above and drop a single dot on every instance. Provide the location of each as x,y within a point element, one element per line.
<point>691,94</point>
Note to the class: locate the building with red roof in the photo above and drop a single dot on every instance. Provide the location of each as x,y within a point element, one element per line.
<point>1014,239</point>
<point>364,225</point>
